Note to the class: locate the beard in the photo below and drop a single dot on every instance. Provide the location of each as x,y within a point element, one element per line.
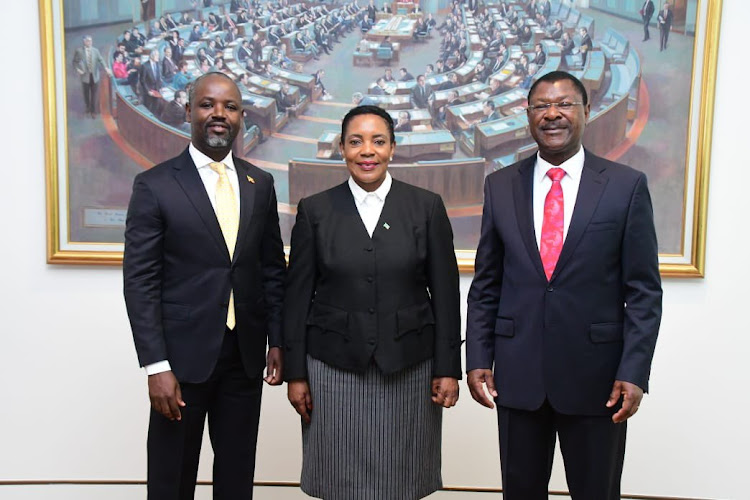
<point>218,142</point>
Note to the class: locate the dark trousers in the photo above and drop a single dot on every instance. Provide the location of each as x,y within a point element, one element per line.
<point>593,449</point>
<point>663,37</point>
<point>232,402</point>
<point>89,94</point>
<point>646,34</point>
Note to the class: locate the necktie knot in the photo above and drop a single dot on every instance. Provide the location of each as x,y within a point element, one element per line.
<point>556,174</point>
<point>218,167</point>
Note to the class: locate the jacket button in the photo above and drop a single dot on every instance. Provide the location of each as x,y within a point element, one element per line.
<point>368,249</point>
<point>371,310</point>
<point>550,289</point>
<point>371,341</point>
<point>369,279</point>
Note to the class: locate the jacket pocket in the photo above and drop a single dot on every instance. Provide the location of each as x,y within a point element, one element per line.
<point>505,327</point>
<point>601,333</point>
<point>180,312</point>
<point>329,319</point>
<point>601,226</point>
<point>414,318</point>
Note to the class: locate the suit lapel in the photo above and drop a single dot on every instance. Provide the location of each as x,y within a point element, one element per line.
<point>523,184</point>
<point>187,176</point>
<point>346,205</point>
<point>390,212</point>
<point>590,191</point>
<point>247,202</point>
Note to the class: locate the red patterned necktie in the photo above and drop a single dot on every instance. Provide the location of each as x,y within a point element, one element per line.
<point>552,225</point>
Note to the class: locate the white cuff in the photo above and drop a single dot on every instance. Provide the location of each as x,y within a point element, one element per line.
<point>158,367</point>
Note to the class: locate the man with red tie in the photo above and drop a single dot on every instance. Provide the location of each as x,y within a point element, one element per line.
<point>565,306</point>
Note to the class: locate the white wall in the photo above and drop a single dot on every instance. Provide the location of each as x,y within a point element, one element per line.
<point>73,403</point>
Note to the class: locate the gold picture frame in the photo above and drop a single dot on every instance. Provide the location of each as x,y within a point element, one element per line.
<point>688,262</point>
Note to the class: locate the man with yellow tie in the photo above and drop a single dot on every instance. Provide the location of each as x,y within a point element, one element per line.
<point>203,277</point>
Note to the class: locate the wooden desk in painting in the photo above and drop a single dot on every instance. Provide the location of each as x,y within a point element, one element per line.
<point>431,144</point>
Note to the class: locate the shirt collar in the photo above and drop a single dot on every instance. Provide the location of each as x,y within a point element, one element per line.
<point>380,193</point>
<point>203,161</point>
<point>573,166</point>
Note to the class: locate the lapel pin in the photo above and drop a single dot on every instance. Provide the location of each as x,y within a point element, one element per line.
<point>250,179</point>
<point>385,225</point>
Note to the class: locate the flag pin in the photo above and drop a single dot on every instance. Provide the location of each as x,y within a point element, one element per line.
<point>250,179</point>
<point>385,225</point>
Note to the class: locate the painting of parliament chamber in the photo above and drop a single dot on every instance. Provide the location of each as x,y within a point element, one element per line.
<point>302,65</point>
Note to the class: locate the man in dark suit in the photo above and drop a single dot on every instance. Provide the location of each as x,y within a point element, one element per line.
<point>174,113</point>
<point>422,94</point>
<point>371,11</point>
<point>664,18</point>
<point>203,279</point>
<point>565,303</point>
<point>405,75</point>
<point>87,61</point>
<point>586,46</point>
<point>151,81</point>
<point>647,12</point>
<point>539,56</point>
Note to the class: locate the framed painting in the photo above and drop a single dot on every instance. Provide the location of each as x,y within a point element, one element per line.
<point>103,127</point>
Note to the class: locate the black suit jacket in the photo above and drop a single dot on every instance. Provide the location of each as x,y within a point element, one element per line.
<point>568,339</point>
<point>393,297</point>
<point>150,79</point>
<point>178,274</point>
<point>420,97</point>
<point>647,11</point>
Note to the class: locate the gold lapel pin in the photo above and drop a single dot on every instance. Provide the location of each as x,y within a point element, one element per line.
<point>250,179</point>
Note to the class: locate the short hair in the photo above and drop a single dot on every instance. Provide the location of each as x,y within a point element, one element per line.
<point>490,104</point>
<point>431,67</point>
<point>367,110</point>
<point>403,69</point>
<point>194,84</point>
<point>557,76</point>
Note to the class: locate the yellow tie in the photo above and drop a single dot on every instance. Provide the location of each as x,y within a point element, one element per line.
<point>229,221</point>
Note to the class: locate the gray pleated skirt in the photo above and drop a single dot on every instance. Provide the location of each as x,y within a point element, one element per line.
<point>372,437</point>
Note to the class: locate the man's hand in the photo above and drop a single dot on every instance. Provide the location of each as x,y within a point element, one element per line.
<point>274,366</point>
<point>298,392</point>
<point>165,395</point>
<point>445,391</point>
<point>476,380</point>
<point>631,400</point>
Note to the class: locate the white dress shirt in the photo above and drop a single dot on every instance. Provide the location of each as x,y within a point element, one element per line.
<point>370,204</point>
<point>209,178</point>
<point>542,183</point>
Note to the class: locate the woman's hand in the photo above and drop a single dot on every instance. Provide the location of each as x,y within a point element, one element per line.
<point>445,391</point>
<point>298,392</point>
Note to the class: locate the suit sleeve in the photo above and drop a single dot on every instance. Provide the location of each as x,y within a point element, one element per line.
<point>484,294</point>
<point>300,287</point>
<point>142,273</point>
<point>273,269</point>
<point>444,293</point>
<point>642,286</point>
